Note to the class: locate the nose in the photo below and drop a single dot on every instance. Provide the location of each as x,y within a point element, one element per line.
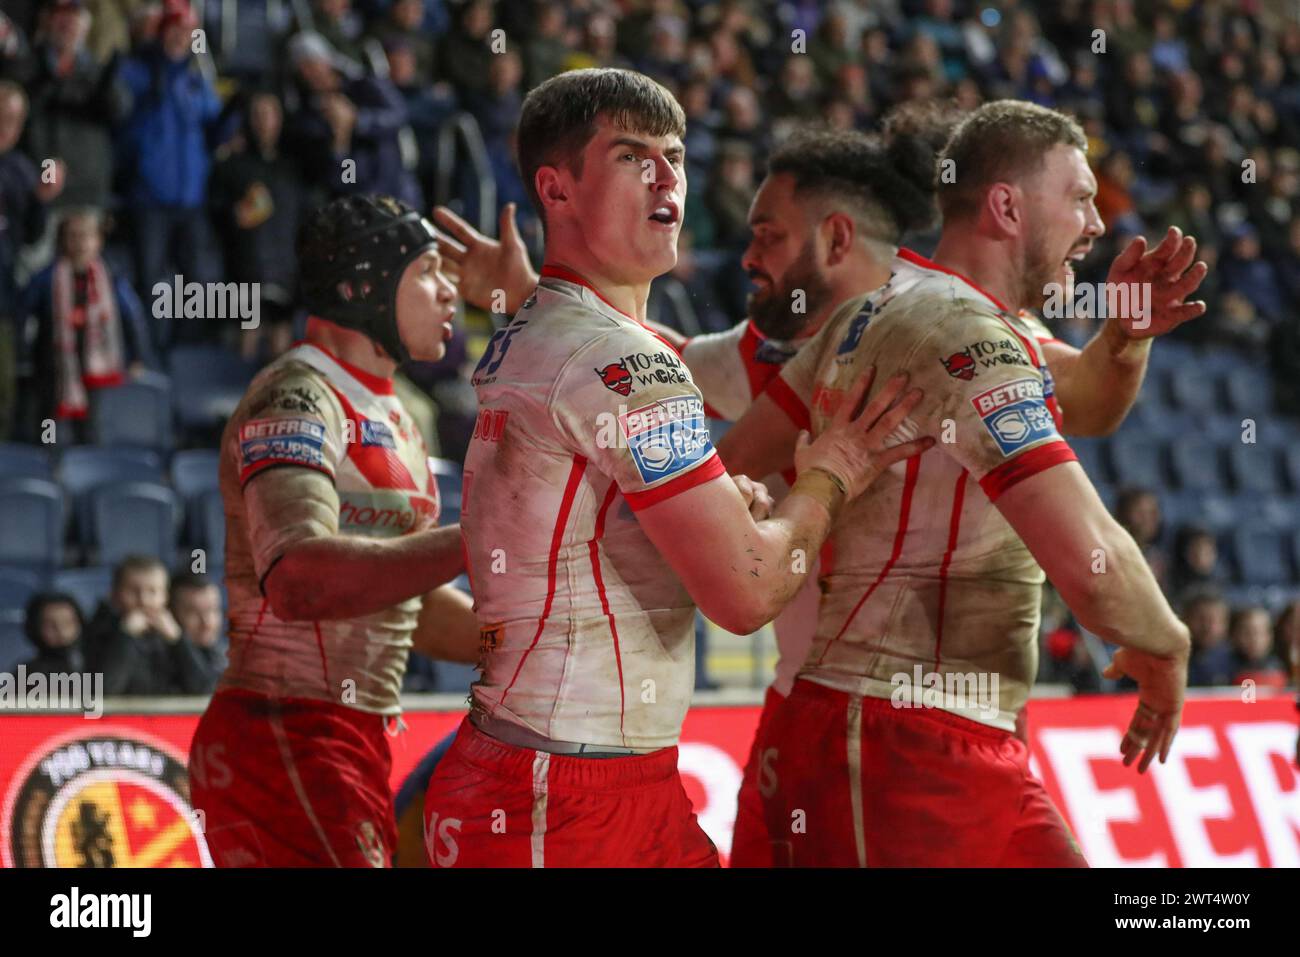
<point>1094,228</point>
<point>749,261</point>
<point>666,177</point>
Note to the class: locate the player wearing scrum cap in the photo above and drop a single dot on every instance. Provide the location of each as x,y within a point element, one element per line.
<point>335,568</point>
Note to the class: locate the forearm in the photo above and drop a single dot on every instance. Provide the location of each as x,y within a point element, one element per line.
<point>448,628</point>
<point>1097,386</point>
<point>346,576</point>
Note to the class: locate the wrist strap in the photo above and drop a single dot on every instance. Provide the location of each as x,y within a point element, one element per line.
<point>823,487</point>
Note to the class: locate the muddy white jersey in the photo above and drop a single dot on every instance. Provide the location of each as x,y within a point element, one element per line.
<point>923,576</point>
<point>318,447</point>
<point>586,417</point>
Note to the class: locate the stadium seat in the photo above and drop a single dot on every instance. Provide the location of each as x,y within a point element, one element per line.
<point>1195,461</point>
<point>89,586</point>
<point>1092,456</point>
<point>1248,392</point>
<point>14,647</point>
<point>194,471</point>
<point>84,468</point>
<point>1135,459</point>
<point>32,532</point>
<point>1194,391</point>
<point>137,414</point>
<point>1254,468</point>
<point>1263,555</point>
<point>134,518</point>
<point>18,460</point>
<point>207,529</point>
<point>208,382</point>
<point>17,585</point>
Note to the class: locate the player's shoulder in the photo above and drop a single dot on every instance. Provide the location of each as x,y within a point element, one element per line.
<point>290,389</point>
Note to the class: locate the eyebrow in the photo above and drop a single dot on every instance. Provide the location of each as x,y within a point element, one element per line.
<point>632,141</point>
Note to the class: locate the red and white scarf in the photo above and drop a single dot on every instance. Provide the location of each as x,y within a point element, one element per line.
<point>99,363</point>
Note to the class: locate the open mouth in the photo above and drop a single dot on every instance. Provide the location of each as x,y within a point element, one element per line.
<point>665,214</point>
<point>1077,256</point>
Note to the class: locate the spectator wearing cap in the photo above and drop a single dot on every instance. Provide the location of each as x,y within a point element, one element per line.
<point>1212,662</point>
<point>24,193</point>
<point>196,605</point>
<point>1251,635</point>
<point>53,624</point>
<point>75,102</point>
<point>257,196</point>
<point>90,329</point>
<point>340,116</point>
<point>166,159</point>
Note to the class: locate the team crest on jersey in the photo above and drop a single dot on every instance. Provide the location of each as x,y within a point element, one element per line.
<point>1015,414</point>
<point>616,378</point>
<point>960,365</point>
<point>856,328</point>
<point>377,433</point>
<point>666,437</point>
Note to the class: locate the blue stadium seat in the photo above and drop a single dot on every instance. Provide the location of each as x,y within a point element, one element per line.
<point>208,526</point>
<point>1195,461</point>
<point>89,586</point>
<point>194,471</point>
<point>137,414</point>
<point>32,532</point>
<point>18,460</point>
<point>1092,456</point>
<point>1254,468</point>
<point>1263,555</point>
<point>84,468</point>
<point>17,585</point>
<point>14,647</point>
<point>1135,459</point>
<point>1248,392</point>
<point>134,518</point>
<point>207,382</point>
<point>1194,390</point>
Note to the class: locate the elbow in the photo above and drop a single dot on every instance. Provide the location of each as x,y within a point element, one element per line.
<point>738,617</point>
<point>290,599</point>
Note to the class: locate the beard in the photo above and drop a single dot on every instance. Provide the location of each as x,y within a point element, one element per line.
<point>771,311</point>
<point>1039,270</point>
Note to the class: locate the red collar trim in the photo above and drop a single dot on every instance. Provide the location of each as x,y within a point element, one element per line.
<point>916,259</point>
<point>377,384</point>
<point>568,275</point>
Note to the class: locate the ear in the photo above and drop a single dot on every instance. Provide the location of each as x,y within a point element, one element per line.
<point>1004,205</point>
<point>838,231</point>
<point>552,187</point>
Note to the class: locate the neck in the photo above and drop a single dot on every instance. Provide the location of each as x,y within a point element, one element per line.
<point>865,274</point>
<point>989,263</point>
<point>350,346</point>
<point>624,294</point>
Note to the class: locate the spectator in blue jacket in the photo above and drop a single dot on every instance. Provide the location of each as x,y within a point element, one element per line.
<point>166,158</point>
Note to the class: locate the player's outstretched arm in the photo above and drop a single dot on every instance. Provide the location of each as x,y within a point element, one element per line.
<point>1105,581</point>
<point>742,572</point>
<point>1098,385</point>
<point>448,628</point>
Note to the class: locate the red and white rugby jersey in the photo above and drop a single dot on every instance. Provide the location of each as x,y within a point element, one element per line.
<point>731,369</point>
<point>924,572</point>
<point>585,418</point>
<point>319,447</point>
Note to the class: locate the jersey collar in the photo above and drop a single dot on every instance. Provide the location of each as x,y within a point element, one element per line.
<point>916,259</point>
<point>563,273</point>
<point>376,384</point>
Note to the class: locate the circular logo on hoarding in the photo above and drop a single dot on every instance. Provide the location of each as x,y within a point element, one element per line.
<point>119,800</point>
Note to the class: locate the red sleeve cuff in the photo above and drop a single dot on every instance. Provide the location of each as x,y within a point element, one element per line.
<point>1022,466</point>
<point>706,472</point>
<point>779,391</point>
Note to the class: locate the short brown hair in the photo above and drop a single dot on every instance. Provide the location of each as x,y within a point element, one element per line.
<point>559,116</point>
<point>136,563</point>
<point>1000,142</point>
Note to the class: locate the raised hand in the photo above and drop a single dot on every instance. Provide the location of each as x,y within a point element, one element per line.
<point>1172,276</point>
<point>485,265</point>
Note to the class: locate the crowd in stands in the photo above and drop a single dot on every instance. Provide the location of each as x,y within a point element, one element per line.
<point>132,152</point>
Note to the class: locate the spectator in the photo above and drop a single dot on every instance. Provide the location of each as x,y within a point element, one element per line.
<point>403,23</point>
<point>731,193</point>
<point>341,27</point>
<point>165,158</point>
<point>497,108</point>
<point>91,331</point>
<point>544,48</point>
<point>23,195</point>
<point>54,624</point>
<point>75,101</point>
<point>1212,663</point>
<point>1286,638</point>
<point>134,640</point>
<point>1138,510</point>
<point>16,60</point>
<point>1247,273</point>
<point>1196,560</point>
<point>257,197</point>
<point>1251,634</point>
<point>465,55</point>
<point>343,118</point>
<point>196,606</point>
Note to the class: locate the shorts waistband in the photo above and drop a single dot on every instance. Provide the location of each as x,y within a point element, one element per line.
<point>616,773</point>
<point>522,737</point>
<point>805,690</point>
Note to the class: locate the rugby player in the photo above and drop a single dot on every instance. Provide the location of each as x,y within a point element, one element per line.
<point>597,515</point>
<point>335,568</point>
<point>935,578</point>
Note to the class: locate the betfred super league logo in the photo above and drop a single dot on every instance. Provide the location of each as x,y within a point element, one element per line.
<point>960,365</point>
<point>616,378</point>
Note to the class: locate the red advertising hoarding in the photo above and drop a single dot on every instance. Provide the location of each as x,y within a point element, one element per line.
<point>113,791</point>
